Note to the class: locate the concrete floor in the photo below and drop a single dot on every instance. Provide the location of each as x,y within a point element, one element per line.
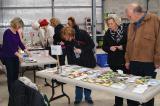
<point>100,98</point>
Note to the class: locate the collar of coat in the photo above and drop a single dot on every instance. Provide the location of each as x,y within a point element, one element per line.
<point>147,17</point>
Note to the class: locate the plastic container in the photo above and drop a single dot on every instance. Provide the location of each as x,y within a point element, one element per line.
<point>102,60</point>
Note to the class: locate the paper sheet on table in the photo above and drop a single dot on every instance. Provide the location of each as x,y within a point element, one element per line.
<point>49,70</point>
<point>133,79</point>
<point>153,82</point>
<point>140,89</point>
<point>120,71</point>
<point>118,85</point>
<point>81,77</point>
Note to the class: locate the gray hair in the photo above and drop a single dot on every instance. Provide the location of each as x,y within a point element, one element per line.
<point>17,21</point>
<point>54,21</point>
<point>114,18</point>
<point>138,9</point>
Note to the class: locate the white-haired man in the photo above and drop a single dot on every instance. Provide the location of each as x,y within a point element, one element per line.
<point>143,47</point>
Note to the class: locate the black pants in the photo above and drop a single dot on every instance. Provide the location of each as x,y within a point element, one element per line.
<point>118,100</point>
<point>142,69</point>
<point>12,66</point>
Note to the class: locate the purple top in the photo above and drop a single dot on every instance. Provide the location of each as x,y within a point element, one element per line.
<point>11,43</point>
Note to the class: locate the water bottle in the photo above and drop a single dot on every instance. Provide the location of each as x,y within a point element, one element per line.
<point>59,69</point>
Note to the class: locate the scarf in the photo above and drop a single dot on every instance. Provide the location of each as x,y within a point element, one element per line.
<point>118,34</point>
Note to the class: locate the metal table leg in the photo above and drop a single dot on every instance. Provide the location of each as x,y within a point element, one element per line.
<point>46,83</point>
<point>62,89</point>
<point>34,73</point>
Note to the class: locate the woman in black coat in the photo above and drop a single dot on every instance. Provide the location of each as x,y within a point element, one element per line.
<point>57,38</point>
<point>57,30</point>
<point>72,23</point>
<point>79,49</point>
<point>114,43</point>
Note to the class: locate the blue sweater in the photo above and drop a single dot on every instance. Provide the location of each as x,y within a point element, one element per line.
<point>11,44</point>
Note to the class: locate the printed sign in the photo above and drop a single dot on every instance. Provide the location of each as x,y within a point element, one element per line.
<point>56,50</point>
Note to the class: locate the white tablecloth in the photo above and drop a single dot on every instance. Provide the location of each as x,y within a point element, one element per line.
<point>41,57</point>
<point>125,93</point>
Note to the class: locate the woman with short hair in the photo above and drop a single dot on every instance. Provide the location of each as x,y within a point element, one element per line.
<point>10,54</point>
<point>114,43</point>
<point>57,40</point>
<point>72,23</point>
<point>57,30</point>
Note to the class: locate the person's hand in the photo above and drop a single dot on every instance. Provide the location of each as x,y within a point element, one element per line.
<point>76,50</point>
<point>127,66</point>
<point>113,48</point>
<point>61,43</point>
<point>28,53</point>
<point>20,58</point>
<point>157,66</point>
<point>119,47</point>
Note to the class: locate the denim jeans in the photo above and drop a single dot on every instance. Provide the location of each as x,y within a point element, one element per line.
<point>79,93</point>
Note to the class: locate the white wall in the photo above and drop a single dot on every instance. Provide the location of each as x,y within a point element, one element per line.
<point>29,14</point>
<point>80,9</point>
<point>118,6</point>
<point>25,10</point>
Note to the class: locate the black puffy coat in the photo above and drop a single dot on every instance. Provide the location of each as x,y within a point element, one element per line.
<point>23,95</point>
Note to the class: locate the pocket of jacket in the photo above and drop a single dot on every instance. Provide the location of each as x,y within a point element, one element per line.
<point>149,37</point>
<point>148,42</point>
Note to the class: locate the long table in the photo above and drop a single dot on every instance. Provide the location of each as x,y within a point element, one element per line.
<point>125,93</point>
<point>41,57</point>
